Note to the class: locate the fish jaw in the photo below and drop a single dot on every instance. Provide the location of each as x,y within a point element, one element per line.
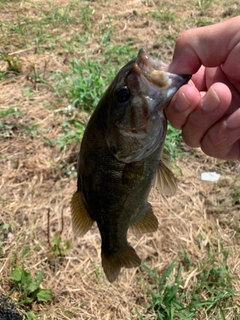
<point>155,71</point>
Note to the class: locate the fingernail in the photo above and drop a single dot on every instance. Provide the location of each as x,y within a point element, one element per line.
<point>182,103</point>
<point>233,122</point>
<point>211,101</point>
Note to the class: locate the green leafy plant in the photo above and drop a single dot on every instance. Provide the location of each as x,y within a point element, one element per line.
<point>29,288</point>
<point>58,248</point>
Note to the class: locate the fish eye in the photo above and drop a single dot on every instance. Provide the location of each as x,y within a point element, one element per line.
<point>123,94</point>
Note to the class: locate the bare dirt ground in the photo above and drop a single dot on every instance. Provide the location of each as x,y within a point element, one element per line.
<point>34,175</point>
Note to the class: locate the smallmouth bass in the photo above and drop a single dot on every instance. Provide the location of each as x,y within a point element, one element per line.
<point>121,157</point>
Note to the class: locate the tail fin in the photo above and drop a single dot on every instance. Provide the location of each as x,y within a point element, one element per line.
<point>125,257</point>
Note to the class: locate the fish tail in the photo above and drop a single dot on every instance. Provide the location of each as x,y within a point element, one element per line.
<point>124,257</point>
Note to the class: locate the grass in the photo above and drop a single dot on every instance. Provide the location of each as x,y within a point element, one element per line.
<point>12,62</point>
<point>85,84</point>
<point>55,63</point>
<point>210,294</point>
<point>11,124</point>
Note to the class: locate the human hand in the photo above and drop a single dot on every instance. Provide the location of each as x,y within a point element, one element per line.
<point>207,109</point>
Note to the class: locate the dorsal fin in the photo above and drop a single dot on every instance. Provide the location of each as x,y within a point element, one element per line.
<point>147,222</point>
<point>81,220</point>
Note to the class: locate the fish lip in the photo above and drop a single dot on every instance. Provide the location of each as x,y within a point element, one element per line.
<point>155,71</point>
<point>151,69</point>
<point>146,63</point>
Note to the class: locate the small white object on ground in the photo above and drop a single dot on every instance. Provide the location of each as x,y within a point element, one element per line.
<point>210,176</point>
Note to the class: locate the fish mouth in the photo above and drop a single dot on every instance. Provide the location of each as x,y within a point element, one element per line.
<point>155,72</point>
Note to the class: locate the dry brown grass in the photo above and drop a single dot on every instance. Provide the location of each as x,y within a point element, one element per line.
<point>34,180</point>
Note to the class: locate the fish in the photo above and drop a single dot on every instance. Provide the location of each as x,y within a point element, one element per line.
<point>121,158</point>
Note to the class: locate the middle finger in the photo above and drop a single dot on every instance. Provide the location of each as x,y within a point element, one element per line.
<point>211,108</point>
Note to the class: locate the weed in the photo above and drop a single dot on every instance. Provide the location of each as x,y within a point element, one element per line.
<point>27,92</point>
<point>120,53</point>
<point>86,83</point>
<point>10,112</point>
<point>57,248</point>
<point>14,27</point>
<point>75,123</point>
<point>10,125</point>
<point>35,78</point>
<point>106,31</point>
<point>29,289</point>
<point>211,294</point>
<point>231,11</point>
<point>167,298</point>
<point>235,195</point>
<point>85,15</point>
<point>4,232</point>
<point>202,23</point>
<point>215,281</point>
<point>204,4</point>
<point>58,15</point>
<point>12,62</point>
<point>173,142</point>
<point>73,132</point>
<point>3,75</point>
<point>8,129</point>
<point>165,16</point>
<point>186,259</point>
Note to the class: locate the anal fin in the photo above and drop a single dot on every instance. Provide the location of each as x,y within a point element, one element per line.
<point>147,221</point>
<point>81,220</point>
<point>125,257</point>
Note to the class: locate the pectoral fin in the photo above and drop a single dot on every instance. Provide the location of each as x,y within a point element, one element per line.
<point>81,220</point>
<point>147,222</point>
<point>165,181</point>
